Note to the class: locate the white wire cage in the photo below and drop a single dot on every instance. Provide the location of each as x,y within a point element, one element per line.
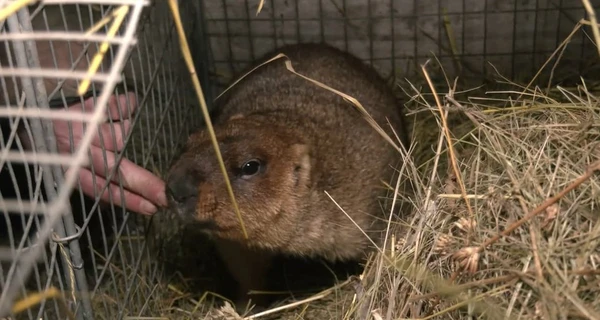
<point>52,235</point>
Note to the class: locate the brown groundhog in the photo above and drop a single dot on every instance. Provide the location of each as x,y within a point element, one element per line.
<point>285,142</point>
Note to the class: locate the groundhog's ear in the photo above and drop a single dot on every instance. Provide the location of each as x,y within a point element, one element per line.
<point>302,164</point>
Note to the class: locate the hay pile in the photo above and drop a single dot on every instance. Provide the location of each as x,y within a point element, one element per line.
<point>516,161</point>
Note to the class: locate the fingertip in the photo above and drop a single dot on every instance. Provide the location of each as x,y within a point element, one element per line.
<point>161,198</point>
<point>147,208</point>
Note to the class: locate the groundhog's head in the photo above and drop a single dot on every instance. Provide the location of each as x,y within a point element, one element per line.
<point>269,171</point>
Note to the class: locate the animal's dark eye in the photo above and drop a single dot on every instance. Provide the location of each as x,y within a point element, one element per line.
<point>251,167</point>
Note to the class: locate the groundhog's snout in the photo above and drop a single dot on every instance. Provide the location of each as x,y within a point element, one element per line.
<point>182,189</point>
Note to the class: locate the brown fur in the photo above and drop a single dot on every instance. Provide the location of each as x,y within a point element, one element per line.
<point>311,141</point>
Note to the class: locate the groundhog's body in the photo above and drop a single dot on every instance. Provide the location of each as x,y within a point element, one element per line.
<point>311,141</point>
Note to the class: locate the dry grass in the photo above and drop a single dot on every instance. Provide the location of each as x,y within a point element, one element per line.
<point>511,162</point>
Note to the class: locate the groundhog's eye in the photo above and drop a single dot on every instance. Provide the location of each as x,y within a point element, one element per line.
<point>251,167</point>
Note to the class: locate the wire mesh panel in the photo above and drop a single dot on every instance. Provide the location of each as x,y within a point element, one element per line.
<point>468,36</point>
<point>123,269</point>
<point>136,107</point>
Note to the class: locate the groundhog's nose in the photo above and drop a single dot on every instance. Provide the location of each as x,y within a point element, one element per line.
<point>182,185</point>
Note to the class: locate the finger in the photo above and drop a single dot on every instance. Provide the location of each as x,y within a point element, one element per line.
<point>131,201</point>
<point>119,107</point>
<point>111,136</point>
<point>132,176</point>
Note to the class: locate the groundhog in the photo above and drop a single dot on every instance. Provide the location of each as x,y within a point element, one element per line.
<point>285,142</point>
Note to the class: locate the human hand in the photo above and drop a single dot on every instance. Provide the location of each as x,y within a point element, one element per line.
<point>143,191</point>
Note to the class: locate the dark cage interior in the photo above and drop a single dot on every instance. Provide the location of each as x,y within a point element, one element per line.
<point>156,266</point>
